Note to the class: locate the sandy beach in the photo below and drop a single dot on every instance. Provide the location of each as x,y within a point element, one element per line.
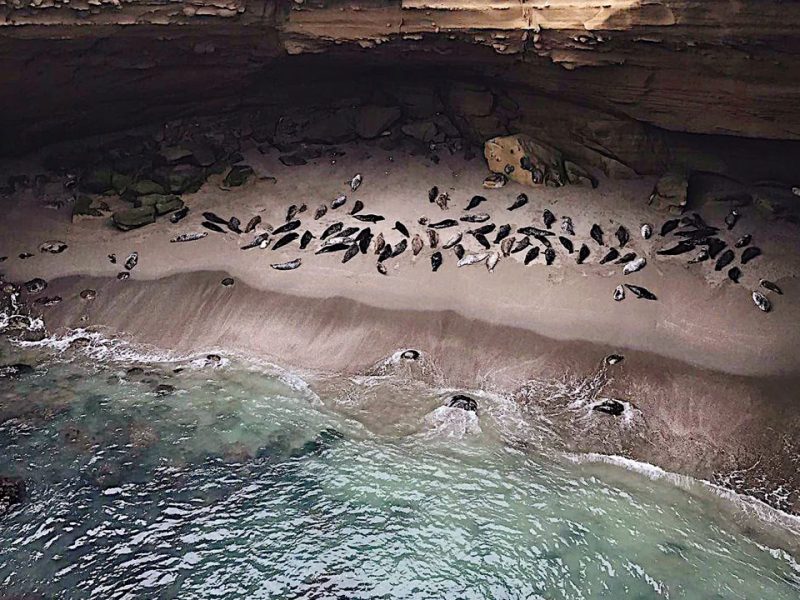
<point>709,372</point>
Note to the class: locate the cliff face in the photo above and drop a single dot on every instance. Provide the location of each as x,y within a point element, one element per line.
<point>621,74</point>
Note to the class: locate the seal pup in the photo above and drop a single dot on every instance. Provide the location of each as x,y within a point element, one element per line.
<point>521,245</point>
<point>338,201</point>
<point>132,261</point>
<point>610,255</point>
<point>549,256</point>
<point>332,229</point>
<point>476,218</point>
<point>436,261</point>
<point>531,255</point>
<point>453,241</point>
<point>472,259</point>
<point>379,243</point>
<point>287,266</point>
<point>287,239</point>
<point>731,219</point>
<point>252,224</point>
<point>521,201</point>
<point>743,241</point>
<point>358,205</point>
<point>771,286</point>
<point>188,237</point>
<point>567,243</point>
<point>443,224</point>
<point>363,239</point>
<point>459,251</point>
<point>619,293</point>
<point>641,292</point>
<point>398,226</point>
<point>306,239</point>
<point>286,227</point>
<point>212,226</point>
<point>724,260</point>
<point>417,244</point>
<point>381,269</point>
<point>179,214</point>
<point>646,230</point>
<point>213,218</point>
<point>350,253</point>
<point>734,273</point>
<point>622,235</point>
<point>750,253</point>
<point>433,238</point>
<point>482,240</point>
<point>442,200</point>
<point>548,218</point>
<point>597,234</point>
<point>320,212</point>
<point>491,261</point>
<point>495,181</point>
<point>355,182</point>
<point>476,200</point>
<point>506,245</point>
<point>369,218</point>
<point>433,193</point>
<point>761,301</point>
<point>625,258</point>
<point>502,232</point>
<point>583,254</point>
<point>566,226</point>
<point>635,265</point>
<point>668,226</point>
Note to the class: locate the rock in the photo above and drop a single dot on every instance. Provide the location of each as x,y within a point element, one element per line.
<point>324,127</point>
<point>121,182</point>
<point>164,389</point>
<point>15,370</point>
<point>471,101</point>
<point>424,131</point>
<point>292,160</point>
<point>238,175</point>
<point>203,154</point>
<point>12,491</point>
<point>372,121</point>
<point>176,154</point>
<point>86,207</point>
<point>132,218</point>
<point>526,161</point>
<point>145,187</point>
<point>163,203</point>
<point>52,247</point>
<point>185,179</point>
<point>97,181</point>
<point>670,193</point>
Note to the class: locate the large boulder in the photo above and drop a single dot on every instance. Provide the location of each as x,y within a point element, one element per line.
<point>163,203</point>
<point>372,121</point>
<point>669,193</point>
<point>132,218</point>
<point>471,101</point>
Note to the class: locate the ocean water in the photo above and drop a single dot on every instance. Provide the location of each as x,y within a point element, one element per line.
<point>250,482</point>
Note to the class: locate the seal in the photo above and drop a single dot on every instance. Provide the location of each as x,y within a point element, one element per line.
<point>521,245</point>
<point>179,215</point>
<point>531,255</point>
<point>348,231</point>
<point>612,254</point>
<point>482,240</point>
<point>287,266</point>
<point>358,206</point>
<point>213,218</point>
<point>433,193</point>
<point>417,244</point>
<point>35,286</point>
<point>483,229</point>
<point>52,247</point>
<point>724,260</point>
<point>681,247</point>
<point>491,261</point>
<point>287,239</point>
<point>502,232</point>
<point>476,218</point>
<point>261,238</point>
<point>743,241</point>
<point>332,229</point>
<point>291,212</point>
<point>506,245</point>
<point>386,253</point>
<point>566,226</point>
<point>112,258</point>
<point>622,235</point>
<point>433,238</point>
<point>436,261</point>
<point>472,259</point>
<point>646,230</point>
<point>495,181</point>
<point>227,282</point>
<point>363,239</point>
<point>88,294</point>
<point>123,275</point>
<point>334,247</point>
<point>610,407</point>
<point>446,223</point>
<point>772,287</point>
<point>306,239</point>
<point>350,253</point>
<point>338,201</point>
<point>476,200</point>
<point>459,251</point>
<point>399,248</point>
<point>535,231</point>
<point>381,269</point>
<point>668,226</point>
<point>597,234</point>
<point>583,254</point>
<point>641,292</point>
<point>320,212</point>
<point>398,226</point>
<point>356,181</point>
<point>252,224</point>
<point>635,265</point>
<point>463,402</point>
<point>750,253</point>
<point>701,257</point>
<point>543,240</point>
<point>549,256</point>
<point>731,219</point>
<point>132,261</point>
<point>734,273</point>
<point>761,301</point>
<point>715,246</point>
<point>369,218</point>
<point>286,227</point>
<point>442,200</point>
<point>212,226</point>
<point>619,293</point>
<point>626,258</point>
<point>521,201</point>
<point>379,243</point>
<point>567,243</point>
<point>614,359</point>
<point>188,237</point>
<point>452,241</point>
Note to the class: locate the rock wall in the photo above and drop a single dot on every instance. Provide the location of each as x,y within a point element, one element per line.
<point>612,78</point>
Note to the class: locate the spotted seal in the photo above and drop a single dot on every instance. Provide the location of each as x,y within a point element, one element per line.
<point>583,254</point>
<point>506,245</point>
<point>566,226</point>
<point>596,234</point>
<point>761,301</point>
<point>619,293</point>
<point>369,218</point>
<point>641,292</point>
<point>472,259</point>
<point>502,232</point>
<point>188,237</point>
<point>724,260</point>
<point>567,243</point>
<point>433,238</point>
<point>417,244</point>
<point>132,261</point>
<point>286,227</point>
<point>646,230</point>
<point>398,226</point>
<point>463,402</point>
<point>356,181</point>
<point>358,206</point>
<point>350,253</point>
<point>338,201</point>
<point>635,265</point>
<point>305,240</point>
<point>287,266</point>
<point>332,229</point>
<point>521,201</point>
<point>252,224</point>
<point>320,212</point>
<point>452,241</point>
<point>750,253</point>
<point>436,261</point>
<point>549,256</point>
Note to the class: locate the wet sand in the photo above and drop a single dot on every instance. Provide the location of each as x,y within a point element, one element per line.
<point>711,374</point>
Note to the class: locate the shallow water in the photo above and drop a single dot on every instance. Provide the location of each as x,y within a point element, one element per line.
<point>245,483</point>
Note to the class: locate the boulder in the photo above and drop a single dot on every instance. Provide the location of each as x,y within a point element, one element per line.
<point>424,131</point>
<point>238,175</point>
<point>132,218</point>
<point>471,101</point>
<point>372,121</point>
<point>97,181</point>
<point>86,207</point>
<point>163,203</point>
<point>143,187</point>
<point>670,193</point>
<point>121,182</point>
<point>525,160</point>
<point>185,179</point>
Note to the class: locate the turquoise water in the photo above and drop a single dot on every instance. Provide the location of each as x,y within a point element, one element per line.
<point>245,483</point>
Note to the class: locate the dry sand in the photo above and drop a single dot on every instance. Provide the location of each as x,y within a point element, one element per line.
<point>711,373</point>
